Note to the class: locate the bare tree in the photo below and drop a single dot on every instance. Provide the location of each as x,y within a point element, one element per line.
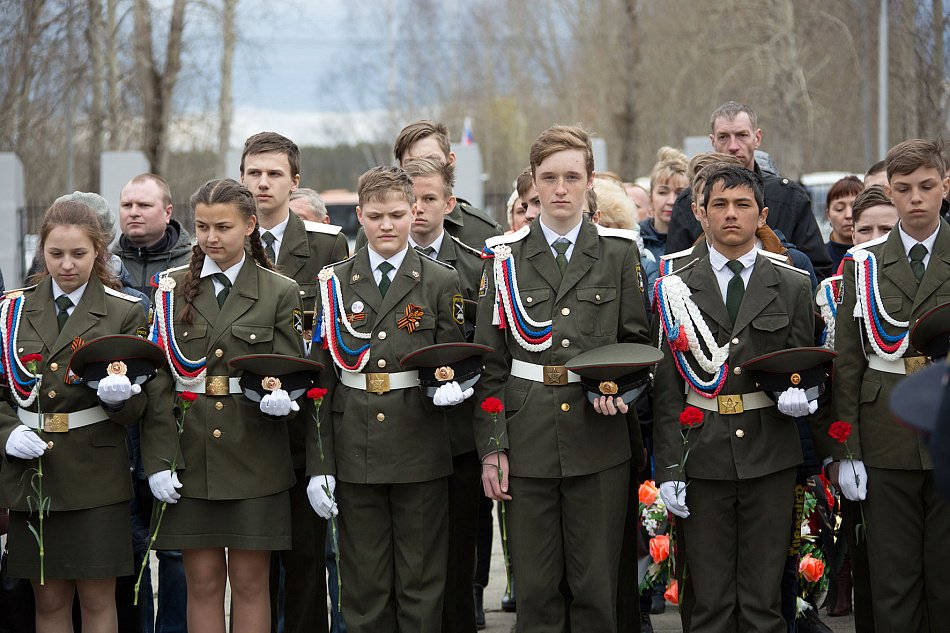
<point>95,37</point>
<point>225,102</point>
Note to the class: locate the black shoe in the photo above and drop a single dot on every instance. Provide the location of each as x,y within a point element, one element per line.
<point>657,603</point>
<point>810,622</point>
<point>645,625</point>
<point>508,603</point>
<point>479,608</point>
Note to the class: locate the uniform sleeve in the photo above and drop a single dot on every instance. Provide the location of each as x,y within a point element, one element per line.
<point>341,250</point>
<point>448,329</point>
<point>495,375</point>
<point>850,365</point>
<point>668,401</point>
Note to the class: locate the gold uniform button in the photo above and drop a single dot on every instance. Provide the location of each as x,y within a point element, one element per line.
<point>301,293</point>
<point>597,297</point>
<point>735,341</point>
<point>380,416</point>
<point>218,405</point>
<point>51,394</point>
<point>565,407</point>
<point>219,352</point>
<point>381,336</point>
<point>737,371</point>
<point>253,337</point>
<point>21,350</point>
<point>565,311</point>
<point>53,366</point>
<point>527,300</point>
<point>565,343</point>
<point>740,433</point>
<point>183,334</point>
<point>381,362</point>
<point>217,433</point>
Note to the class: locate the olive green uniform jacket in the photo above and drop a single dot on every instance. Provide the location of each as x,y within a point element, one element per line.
<point>229,449</point>
<point>87,467</point>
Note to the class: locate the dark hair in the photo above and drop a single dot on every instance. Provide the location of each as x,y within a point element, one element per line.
<point>732,176</point>
<point>873,169</point>
<point>224,191</point>
<point>419,130</point>
<point>847,186</point>
<point>267,142</point>
<point>523,183</point>
<point>559,138</point>
<point>427,168</point>
<point>907,157</point>
<point>873,196</point>
<point>74,213</point>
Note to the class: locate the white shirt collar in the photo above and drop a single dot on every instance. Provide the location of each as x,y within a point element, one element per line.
<point>74,296</point>
<point>277,232</point>
<point>718,261</point>
<point>436,244</point>
<point>550,235</point>
<point>909,242</point>
<point>375,259</point>
<point>211,267</point>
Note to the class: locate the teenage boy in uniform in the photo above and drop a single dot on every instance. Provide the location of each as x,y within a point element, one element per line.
<point>270,169</point>
<point>382,446</point>
<point>742,455</point>
<point>905,274</point>
<point>561,464</point>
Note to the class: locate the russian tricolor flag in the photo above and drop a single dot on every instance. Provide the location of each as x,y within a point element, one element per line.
<point>467,132</point>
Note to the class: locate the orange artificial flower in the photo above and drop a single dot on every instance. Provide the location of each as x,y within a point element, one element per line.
<point>660,548</point>
<point>672,592</point>
<point>647,493</point>
<point>811,568</point>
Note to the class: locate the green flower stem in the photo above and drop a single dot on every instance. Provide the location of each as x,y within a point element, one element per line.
<point>326,486</point>
<point>42,502</point>
<point>504,525</point>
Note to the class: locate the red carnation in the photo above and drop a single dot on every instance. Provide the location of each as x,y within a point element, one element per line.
<point>189,396</point>
<point>492,405</point>
<point>691,416</point>
<point>316,393</point>
<point>840,431</point>
<point>32,358</point>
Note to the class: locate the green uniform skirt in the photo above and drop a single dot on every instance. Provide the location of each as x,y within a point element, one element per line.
<point>78,544</point>
<point>262,523</point>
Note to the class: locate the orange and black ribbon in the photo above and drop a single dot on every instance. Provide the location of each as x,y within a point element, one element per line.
<point>412,318</point>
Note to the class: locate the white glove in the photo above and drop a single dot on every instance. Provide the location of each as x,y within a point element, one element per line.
<point>114,389</point>
<point>320,492</point>
<point>164,485</point>
<point>853,479</point>
<point>24,443</point>
<point>451,394</point>
<point>673,494</point>
<point>278,403</point>
<point>793,402</point>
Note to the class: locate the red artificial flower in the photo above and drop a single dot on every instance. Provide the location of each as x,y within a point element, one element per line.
<point>316,393</point>
<point>492,405</point>
<point>32,358</point>
<point>660,548</point>
<point>691,416</point>
<point>672,592</point>
<point>840,431</point>
<point>189,396</point>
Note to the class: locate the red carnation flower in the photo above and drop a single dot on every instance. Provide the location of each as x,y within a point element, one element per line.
<point>189,396</point>
<point>32,358</point>
<point>492,405</point>
<point>316,393</point>
<point>840,431</point>
<point>691,416</point>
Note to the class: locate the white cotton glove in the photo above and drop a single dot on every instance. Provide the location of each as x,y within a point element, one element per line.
<point>278,403</point>
<point>164,485</point>
<point>451,394</point>
<point>320,492</point>
<point>115,389</point>
<point>673,494</point>
<point>793,402</point>
<point>24,443</point>
<point>853,479</point>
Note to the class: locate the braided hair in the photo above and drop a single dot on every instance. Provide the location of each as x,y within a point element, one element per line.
<point>223,191</point>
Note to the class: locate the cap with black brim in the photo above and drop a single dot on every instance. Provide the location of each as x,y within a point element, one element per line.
<point>263,373</point>
<point>800,367</point>
<point>447,362</point>
<point>120,354</point>
<point>621,370</point>
<point>915,400</point>
<point>931,334</point>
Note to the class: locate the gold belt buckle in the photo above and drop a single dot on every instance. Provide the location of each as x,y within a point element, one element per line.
<point>377,383</point>
<point>730,405</point>
<point>56,422</point>
<point>555,375</point>
<point>914,364</point>
<point>216,386</point>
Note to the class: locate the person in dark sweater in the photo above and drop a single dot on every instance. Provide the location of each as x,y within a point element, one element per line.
<point>838,211</point>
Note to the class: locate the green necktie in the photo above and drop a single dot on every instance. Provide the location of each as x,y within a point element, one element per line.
<point>269,239</point>
<point>561,245</point>
<point>917,254</point>
<point>63,303</point>
<point>735,289</point>
<point>224,281</point>
<point>428,251</point>
<point>385,281</point>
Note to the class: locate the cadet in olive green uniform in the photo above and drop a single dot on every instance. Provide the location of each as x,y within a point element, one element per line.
<point>907,519</point>
<point>270,168</point>
<point>566,490</point>
<point>381,439</point>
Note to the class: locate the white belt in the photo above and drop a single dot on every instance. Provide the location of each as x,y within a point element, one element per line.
<point>380,383</point>
<point>212,385</point>
<point>730,404</point>
<point>548,374</point>
<point>62,422</point>
<point>903,366</point>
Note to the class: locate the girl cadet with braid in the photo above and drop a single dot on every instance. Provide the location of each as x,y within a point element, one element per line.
<point>234,465</point>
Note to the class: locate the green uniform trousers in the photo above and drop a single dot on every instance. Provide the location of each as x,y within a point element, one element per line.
<point>465,490</point>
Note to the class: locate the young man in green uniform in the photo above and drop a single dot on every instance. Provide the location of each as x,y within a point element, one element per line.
<point>270,168</point>
<point>382,445</point>
<point>889,283</point>
<point>561,287</point>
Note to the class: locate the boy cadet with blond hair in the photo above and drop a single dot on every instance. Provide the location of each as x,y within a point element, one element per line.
<point>270,169</point>
<point>382,448</point>
<point>889,283</point>
<point>564,462</point>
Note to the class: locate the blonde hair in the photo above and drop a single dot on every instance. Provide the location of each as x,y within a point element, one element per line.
<point>670,162</point>
<point>616,208</point>
<point>559,138</point>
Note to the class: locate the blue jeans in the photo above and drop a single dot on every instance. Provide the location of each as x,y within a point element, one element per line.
<point>172,596</point>
<point>337,625</point>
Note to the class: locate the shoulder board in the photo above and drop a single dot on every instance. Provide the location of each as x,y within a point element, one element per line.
<point>685,267</point>
<point>16,292</point>
<point>464,246</point>
<point>790,267</point>
<point>342,261</point>
<point>860,247</point>
<point>677,255</point>
<point>830,280</point>
<point>120,295</point>
<point>436,261</point>
<point>508,238</point>
<point>320,227</point>
<point>174,270</point>
<point>775,257</point>
<point>624,233</point>
<point>273,272</point>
